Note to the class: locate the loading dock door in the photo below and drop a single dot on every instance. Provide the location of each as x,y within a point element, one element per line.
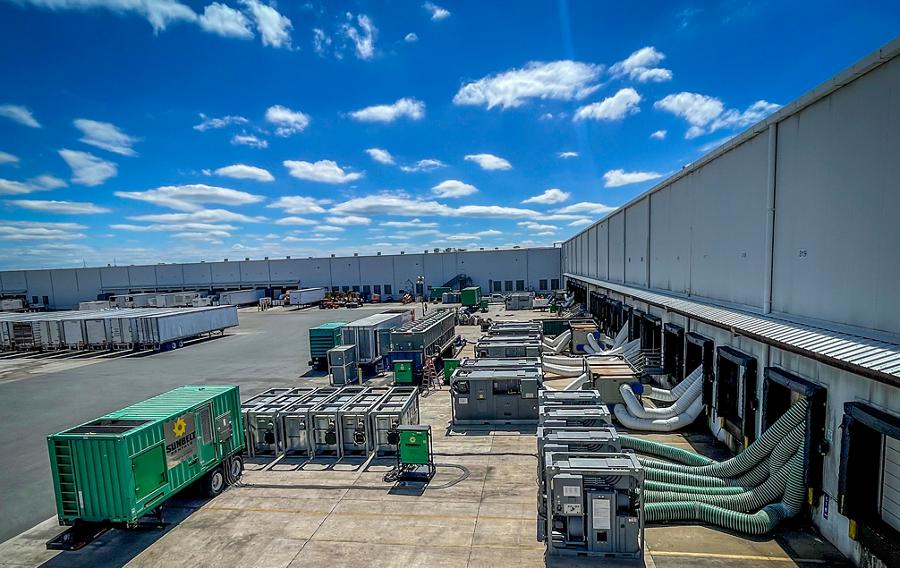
<point>736,402</point>
<point>699,351</point>
<point>651,333</point>
<point>890,483</point>
<point>673,351</point>
<point>780,390</point>
<point>637,321</point>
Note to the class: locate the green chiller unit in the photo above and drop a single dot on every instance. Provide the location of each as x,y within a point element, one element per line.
<point>116,469</point>
<point>321,339</point>
<point>450,365</point>
<point>403,372</point>
<point>415,461</point>
<point>470,296</point>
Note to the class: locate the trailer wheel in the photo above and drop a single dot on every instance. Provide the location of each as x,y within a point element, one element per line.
<point>235,468</point>
<point>214,482</point>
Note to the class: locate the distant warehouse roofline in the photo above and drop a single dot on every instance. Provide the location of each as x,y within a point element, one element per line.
<point>867,64</point>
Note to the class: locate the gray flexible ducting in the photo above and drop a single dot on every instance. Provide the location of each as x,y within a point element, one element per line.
<point>556,340</point>
<point>663,486</point>
<point>564,360</point>
<point>659,424</point>
<point>665,395</point>
<point>638,410</point>
<point>560,345</point>
<point>585,378</point>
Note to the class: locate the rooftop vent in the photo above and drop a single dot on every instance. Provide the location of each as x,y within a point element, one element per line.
<point>356,254</point>
<point>288,257</point>
<point>378,253</point>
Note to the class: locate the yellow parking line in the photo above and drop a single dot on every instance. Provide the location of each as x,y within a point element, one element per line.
<point>757,558</point>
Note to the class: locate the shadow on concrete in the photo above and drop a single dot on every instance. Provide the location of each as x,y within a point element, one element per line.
<point>489,429</point>
<point>118,547</point>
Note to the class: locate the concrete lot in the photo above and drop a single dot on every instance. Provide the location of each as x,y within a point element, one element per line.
<point>478,511</point>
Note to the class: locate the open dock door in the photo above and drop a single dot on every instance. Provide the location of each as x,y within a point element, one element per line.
<point>651,333</point>
<point>780,390</point>
<point>699,351</point>
<point>736,401</point>
<point>673,351</point>
<point>637,322</point>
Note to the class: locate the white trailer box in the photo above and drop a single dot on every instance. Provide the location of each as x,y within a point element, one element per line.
<point>12,305</point>
<point>241,297</point>
<point>177,325</point>
<point>307,296</point>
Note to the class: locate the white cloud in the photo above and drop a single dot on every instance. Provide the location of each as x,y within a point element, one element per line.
<point>171,227</point>
<point>249,140</point>
<point>107,136</point>
<point>208,123</point>
<point>274,28</point>
<point>160,13</point>
<point>243,171</point>
<point>399,204</point>
<point>406,107</point>
<point>425,165</point>
<point>549,197</point>
<point>411,38</point>
<point>321,41</point>
<point>37,231</point>
<point>287,121</point>
<point>40,183</point>
<point>452,188</point>
<point>295,221</point>
<point>297,205</point>
<point>616,107</point>
<point>558,80</point>
<point>532,226</point>
<point>59,207</point>
<point>585,208</point>
<point>659,135</point>
<point>580,222</point>
<point>618,178</point>
<point>437,13</point>
<point>225,21</point>
<point>190,197</point>
<point>201,216</point>
<point>330,229</point>
<point>489,161</point>
<point>88,169</point>
<point>473,236</point>
<point>707,114</point>
<point>20,114</point>
<point>640,66</point>
<point>348,220</point>
<point>494,211</point>
<point>568,155</point>
<point>380,156</point>
<point>7,158</point>
<point>363,38</point>
<point>409,224</point>
<point>324,171</point>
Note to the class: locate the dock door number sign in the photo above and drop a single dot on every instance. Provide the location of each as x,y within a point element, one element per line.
<point>181,439</point>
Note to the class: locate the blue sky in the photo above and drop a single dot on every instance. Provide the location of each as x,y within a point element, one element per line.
<point>137,131</point>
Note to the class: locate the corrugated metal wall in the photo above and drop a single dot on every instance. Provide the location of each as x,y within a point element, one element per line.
<point>835,253</point>
<point>64,288</point>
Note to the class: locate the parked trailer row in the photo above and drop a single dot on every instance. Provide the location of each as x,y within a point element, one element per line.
<point>145,328</point>
<point>327,421</point>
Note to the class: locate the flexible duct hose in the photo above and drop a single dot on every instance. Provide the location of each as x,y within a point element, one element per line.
<point>562,371</point>
<point>560,345</point>
<point>643,446</point>
<point>664,395</point>
<point>558,339</point>
<point>663,486</point>
<point>659,424</point>
<point>680,478</point>
<point>564,361</point>
<point>637,409</point>
<point>584,378</point>
<point>593,345</point>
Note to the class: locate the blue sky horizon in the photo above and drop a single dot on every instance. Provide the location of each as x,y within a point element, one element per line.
<point>181,130</point>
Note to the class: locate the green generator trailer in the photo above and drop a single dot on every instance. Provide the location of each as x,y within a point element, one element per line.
<point>119,468</point>
<point>321,339</point>
<point>470,296</point>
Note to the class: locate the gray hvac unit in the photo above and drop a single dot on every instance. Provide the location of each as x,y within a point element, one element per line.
<point>357,434</point>
<point>570,398</point>
<point>429,335</point>
<point>262,420</point>
<point>516,328</point>
<point>294,420</point>
<point>371,334</point>
<point>564,415</point>
<point>506,396</point>
<point>505,348</point>
<point>501,363</point>
<point>342,365</point>
<point>324,422</point>
<point>593,505</point>
<point>519,301</point>
<point>399,407</point>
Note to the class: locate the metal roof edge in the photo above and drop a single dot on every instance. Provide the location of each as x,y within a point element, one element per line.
<point>865,65</point>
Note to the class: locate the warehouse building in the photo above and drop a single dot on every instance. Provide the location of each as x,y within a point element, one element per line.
<point>777,255</point>
<point>508,270</point>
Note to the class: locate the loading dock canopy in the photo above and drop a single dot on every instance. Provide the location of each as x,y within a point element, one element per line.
<point>872,358</point>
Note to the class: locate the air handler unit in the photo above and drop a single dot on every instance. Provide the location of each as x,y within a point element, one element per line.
<point>112,471</point>
<point>321,339</point>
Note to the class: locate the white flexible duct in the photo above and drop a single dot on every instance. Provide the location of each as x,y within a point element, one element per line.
<point>561,338</point>
<point>664,395</point>
<point>564,360</point>
<point>562,371</point>
<point>621,337</point>
<point>659,424</point>
<point>577,383</point>
<point>636,408</point>
<point>557,348</point>
<point>627,350</point>
<point>593,345</point>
